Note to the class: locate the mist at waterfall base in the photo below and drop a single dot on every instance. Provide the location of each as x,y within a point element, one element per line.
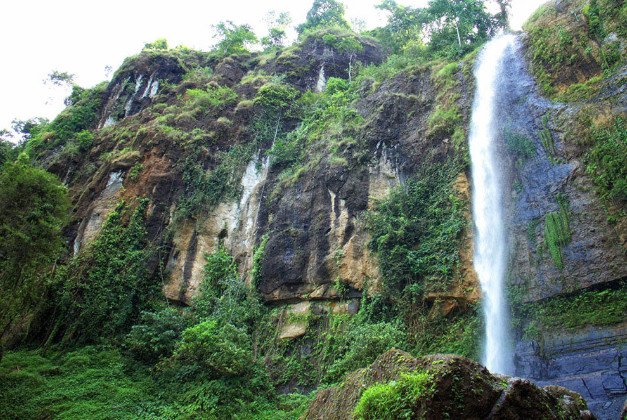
<point>488,176</point>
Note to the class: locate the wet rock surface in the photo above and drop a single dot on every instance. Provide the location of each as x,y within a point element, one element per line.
<point>591,362</point>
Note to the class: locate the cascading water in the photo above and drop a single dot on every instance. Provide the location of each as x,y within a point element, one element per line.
<point>490,243</point>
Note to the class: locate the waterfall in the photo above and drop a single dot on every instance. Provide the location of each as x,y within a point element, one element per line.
<point>322,81</point>
<point>490,241</point>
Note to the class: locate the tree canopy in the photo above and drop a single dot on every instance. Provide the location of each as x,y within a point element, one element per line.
<point>324,13</point>
<point>232,38</point>
<point>447,27</point>
<point>33,209</point>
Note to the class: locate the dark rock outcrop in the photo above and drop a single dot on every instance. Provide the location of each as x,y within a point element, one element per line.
<point>590,361</point>
<point>458,388</point>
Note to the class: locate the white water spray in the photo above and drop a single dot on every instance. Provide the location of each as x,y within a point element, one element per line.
<point>490,244</point>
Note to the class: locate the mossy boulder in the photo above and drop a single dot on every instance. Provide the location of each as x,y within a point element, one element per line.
<point>455,387</point>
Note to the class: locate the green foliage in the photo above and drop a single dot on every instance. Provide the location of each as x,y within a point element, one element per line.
<point>213,96</point>
<point>277,31</point>
<point>329,124</point>
<point>456,334</point>
<point>81,115</point>
<point>204,189</point>
<point>276,97</point>
<point>445,19</point>
<point>394,400</point>
<point>416,233</point>
<point>8,152</point>
<point>232,38</point>
<point>155,335</point>
<point>225,297</point>
<point>590,307</point>
<point>571,312</point>
<point>403,27</point>
<point>557,232</point>
<point>452,28</point>
<point>220,268</point>
<point>520,146</point>
<point>255,271</point>
<point>33,209</point>
<point>102,290</point>
<point>562,46</point>
<point>361,344</point>
<point>548,142</point>
<point>342,41</point>
<point>87,383</point>
<point>215,350</point>
<point>158,44</point>
<point>442,120</point>
<point>135,171</point>
<point>324,13</point>
<point>606,161</point>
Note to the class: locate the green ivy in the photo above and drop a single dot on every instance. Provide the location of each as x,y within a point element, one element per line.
<point>557,232</point>
<point>102,291</point>
<point>416,233</point>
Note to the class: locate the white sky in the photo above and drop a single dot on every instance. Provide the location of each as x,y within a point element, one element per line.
<point>83,36</point>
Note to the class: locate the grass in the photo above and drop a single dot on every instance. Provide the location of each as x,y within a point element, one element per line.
<point>89,383</point>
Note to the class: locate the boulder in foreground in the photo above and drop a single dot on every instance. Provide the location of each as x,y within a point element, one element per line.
<point>398,385</point>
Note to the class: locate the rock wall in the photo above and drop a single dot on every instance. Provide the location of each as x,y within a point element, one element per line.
<point>551,178</point>
<point>590,361</point>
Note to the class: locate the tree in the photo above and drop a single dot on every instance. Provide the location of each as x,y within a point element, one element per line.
<point>277,31</point>
<point>25,129</point>
<point>503,15</point>
<point>60,78</point>
<point>461,22</point>
<point>324,13</point>
<point>405,24</point>
<point>33,209</point>
<point>232,38</point>
<point>7,149</point>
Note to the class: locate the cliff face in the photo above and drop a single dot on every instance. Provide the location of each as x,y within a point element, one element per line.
<point>312,221</point>
<point>175,123</point>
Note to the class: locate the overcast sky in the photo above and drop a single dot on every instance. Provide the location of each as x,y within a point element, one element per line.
<point>83,37</point>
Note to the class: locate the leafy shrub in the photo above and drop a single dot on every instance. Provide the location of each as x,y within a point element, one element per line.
<point>205,189</point>
<point>215,350</point>
<point>80,116</point>
<point>394,400</point>
<point>362,344</point>
<point>225,297</point>
<point>90,382</point>
<point>158,44</point>
<point>33,209</point>
<point>155,335</point>
<point>255,272</point>
<point>211,97</point>
<point>276,97</point>
<point>575,311</point>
